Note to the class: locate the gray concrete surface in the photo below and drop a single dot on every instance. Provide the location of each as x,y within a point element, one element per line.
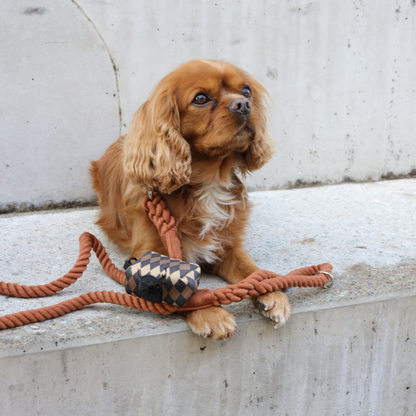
<point>59,100</point>
<point>350,360</point>
<point>345,351</point>
<point>340,74</point>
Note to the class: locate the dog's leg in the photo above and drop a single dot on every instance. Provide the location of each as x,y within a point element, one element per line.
<point>214,323</point>
<point>236,266</point>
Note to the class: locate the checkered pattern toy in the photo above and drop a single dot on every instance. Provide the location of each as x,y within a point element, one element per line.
<point>158,278</point>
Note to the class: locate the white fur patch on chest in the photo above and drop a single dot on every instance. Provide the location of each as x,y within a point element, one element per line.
<point>215,206</point>
<point>215,209</point>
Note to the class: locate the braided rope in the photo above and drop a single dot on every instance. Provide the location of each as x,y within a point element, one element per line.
<point>258,283</point>
<point>87,242</point>
<point>165,223</point>
<point>70,305</point>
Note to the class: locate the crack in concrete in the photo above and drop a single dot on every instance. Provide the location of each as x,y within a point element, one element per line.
<point>113,63</point>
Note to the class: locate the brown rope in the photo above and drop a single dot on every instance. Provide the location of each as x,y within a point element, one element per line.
<point>159,214</point>
<point>257,283</point>
<point>86,242</point>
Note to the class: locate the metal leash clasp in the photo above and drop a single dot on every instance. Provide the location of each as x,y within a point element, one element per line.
<point>150,194</point>
<point>330,282</point>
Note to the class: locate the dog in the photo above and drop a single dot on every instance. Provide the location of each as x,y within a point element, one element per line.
<point>204,124</point>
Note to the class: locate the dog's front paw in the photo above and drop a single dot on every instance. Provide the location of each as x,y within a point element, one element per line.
<point>214,323</point>
<point>274,306</point>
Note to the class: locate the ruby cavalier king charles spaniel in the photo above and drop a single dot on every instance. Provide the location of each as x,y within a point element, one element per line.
<point>204,123</point>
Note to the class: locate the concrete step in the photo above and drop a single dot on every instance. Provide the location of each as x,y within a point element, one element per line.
<point>345,351</point>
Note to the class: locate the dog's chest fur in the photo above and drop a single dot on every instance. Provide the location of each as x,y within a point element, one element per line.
<point>214,209</point>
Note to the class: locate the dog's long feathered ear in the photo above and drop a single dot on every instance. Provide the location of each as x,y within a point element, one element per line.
<point>155,153</point>
<point>261,148</point>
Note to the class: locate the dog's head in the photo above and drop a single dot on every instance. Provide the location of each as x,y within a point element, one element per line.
<point>203,119</point>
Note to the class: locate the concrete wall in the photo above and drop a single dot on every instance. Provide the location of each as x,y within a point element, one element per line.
<point>342,77</point>
<point>352,360</point>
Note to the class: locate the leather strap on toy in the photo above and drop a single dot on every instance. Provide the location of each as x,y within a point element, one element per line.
<point>257,283</point>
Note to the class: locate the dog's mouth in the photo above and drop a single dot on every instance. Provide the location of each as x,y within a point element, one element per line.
<point>238,141</point>
<point>246,131</point>
<point>247,127</point>
<point>244,136</point>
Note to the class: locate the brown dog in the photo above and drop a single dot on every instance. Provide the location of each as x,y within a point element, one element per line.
<point>204,123</point>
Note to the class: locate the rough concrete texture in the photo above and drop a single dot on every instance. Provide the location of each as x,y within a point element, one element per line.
<point>347,350</point>
<point>340,74</point>
<point>351,360</point>
<point>59,102</point>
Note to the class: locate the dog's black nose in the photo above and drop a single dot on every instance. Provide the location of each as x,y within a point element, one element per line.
<point>240,105</point>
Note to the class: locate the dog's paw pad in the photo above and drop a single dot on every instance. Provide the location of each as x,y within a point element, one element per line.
<point>274,306</point>
<point>214,323</point>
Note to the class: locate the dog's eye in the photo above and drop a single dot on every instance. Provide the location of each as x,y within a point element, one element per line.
<point>200,99</point>
<point>246,92</point>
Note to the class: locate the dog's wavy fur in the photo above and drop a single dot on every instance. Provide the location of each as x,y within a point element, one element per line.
<point>191,154</point>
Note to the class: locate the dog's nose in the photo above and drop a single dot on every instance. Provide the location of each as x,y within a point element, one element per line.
<point>240,105</point>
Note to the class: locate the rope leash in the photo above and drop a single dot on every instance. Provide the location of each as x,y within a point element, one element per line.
<point>258,283</point>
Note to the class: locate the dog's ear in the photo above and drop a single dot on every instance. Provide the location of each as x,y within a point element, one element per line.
<point>155,153</point>
<point>261,148</point>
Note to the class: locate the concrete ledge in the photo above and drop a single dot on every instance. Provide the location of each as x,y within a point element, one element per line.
<point>349,350</point>
<point>345,360</point>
